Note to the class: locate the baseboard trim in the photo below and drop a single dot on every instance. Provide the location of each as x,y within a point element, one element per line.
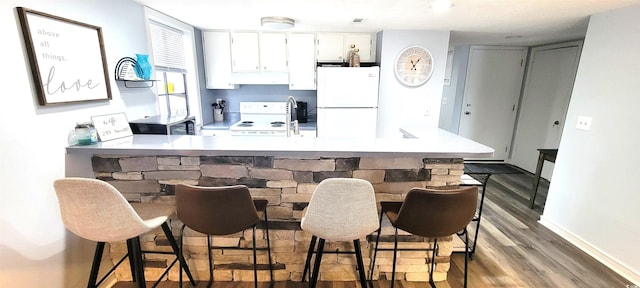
<point>592,251</point>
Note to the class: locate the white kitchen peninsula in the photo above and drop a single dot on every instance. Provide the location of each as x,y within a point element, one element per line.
<point>285,171</point>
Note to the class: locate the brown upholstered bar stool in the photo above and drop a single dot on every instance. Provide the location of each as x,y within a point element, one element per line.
<point>97,211</point>
<point>340,209</point>
<point>221,211</point>
<point>431,213</point>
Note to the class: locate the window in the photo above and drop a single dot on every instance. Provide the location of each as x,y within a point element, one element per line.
<point>173,49</point>
<point>169,60</point>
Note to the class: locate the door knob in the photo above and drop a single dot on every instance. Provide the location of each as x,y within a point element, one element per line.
<point>556,123</point>
<point>467,113</point>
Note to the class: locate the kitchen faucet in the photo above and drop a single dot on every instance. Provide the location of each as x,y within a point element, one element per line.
<point>291,104</point>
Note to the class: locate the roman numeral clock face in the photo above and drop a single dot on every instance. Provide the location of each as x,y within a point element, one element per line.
<point>414,66</point>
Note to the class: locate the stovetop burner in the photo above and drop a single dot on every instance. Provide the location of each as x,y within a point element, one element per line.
<point>277,124</point>
<point>246,124</point>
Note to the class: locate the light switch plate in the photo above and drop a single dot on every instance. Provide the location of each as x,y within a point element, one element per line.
<point>584,123</point>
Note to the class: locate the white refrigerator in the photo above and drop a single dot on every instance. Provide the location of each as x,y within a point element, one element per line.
<point>347,101</point>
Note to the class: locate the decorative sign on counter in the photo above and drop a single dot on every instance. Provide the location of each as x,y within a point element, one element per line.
<point>112,126</point>
<point>67,58</point>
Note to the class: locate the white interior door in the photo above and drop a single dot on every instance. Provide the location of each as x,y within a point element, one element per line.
<point>547,91</point>
<point>491,93</point>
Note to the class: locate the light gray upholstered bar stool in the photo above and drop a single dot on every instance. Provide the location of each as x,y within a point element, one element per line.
<point>340,209</point>
<point>95,210</point>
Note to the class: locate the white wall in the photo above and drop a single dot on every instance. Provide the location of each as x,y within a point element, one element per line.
<point>35,249</point>
<point>398,104</point>
<point>593,200</point>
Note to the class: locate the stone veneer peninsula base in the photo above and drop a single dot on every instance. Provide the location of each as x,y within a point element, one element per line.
<point>287,182</point>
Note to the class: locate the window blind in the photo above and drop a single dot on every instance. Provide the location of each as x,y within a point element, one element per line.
<point>168,47</point>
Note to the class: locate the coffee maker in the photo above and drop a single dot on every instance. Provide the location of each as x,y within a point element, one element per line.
<point>301,111</point>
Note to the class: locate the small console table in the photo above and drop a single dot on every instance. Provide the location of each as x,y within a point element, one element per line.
<point>545,155</point>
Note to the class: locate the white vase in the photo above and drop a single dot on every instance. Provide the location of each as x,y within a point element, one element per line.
<point>217,115</point>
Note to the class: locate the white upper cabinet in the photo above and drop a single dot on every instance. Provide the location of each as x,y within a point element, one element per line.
<point>273,52</point>
<point>254,57</point>
<point>245,53</point>
<point>335,47</point>
<point>217,59</point>
<point>302,62</point>
<point>259,52</point>
<point>363,42</point>
<point>330,47</point>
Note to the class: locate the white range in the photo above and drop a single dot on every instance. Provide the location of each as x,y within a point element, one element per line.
<point>261,118</point>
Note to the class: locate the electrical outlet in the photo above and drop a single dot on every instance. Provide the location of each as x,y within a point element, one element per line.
<point>584,123</point>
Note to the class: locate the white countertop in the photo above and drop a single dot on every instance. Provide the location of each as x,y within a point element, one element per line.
<point>435,143</point>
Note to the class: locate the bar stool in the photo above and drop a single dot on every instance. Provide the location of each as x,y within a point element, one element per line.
<point>95,210</point>
<point>431,213</point>
<point>221,211</point>
<point>340,209</point>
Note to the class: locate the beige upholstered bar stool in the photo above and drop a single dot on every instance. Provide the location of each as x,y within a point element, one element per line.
<point>431,213</point>
<point>95,210</point>
<point>340,209</point>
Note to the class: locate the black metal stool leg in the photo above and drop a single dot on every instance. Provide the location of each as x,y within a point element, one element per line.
<point>433,262</point>
<point>360,263</point>
<point>131,264</point>
<point>316,265</point>
<point>95,267</point>
<point>307,263</point>
<point>266,228</point>
<point>255,260</point>
<point>395,253</point>
<point>136,258</point>
<point>210,261</point>
<point>466,257</point>
<point>181,254</point>
<point>375,250</point>
<point>176,250</point>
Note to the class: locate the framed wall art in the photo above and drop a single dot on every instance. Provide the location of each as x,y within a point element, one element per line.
<point>67,58</point>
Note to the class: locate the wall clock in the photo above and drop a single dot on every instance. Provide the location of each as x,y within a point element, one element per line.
<point>414,66</point>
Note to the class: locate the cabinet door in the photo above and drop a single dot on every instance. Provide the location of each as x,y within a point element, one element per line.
<point>330,47</point>
<point>302,62</point>
<point>362,42</point>
<point>273,52</point>
<point>245,54</point>
<point>217,59</point>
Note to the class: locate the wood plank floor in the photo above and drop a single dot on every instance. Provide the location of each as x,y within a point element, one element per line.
<point>513,250</point>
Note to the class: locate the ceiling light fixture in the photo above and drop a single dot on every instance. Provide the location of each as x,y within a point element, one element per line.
<point>275,22</point>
